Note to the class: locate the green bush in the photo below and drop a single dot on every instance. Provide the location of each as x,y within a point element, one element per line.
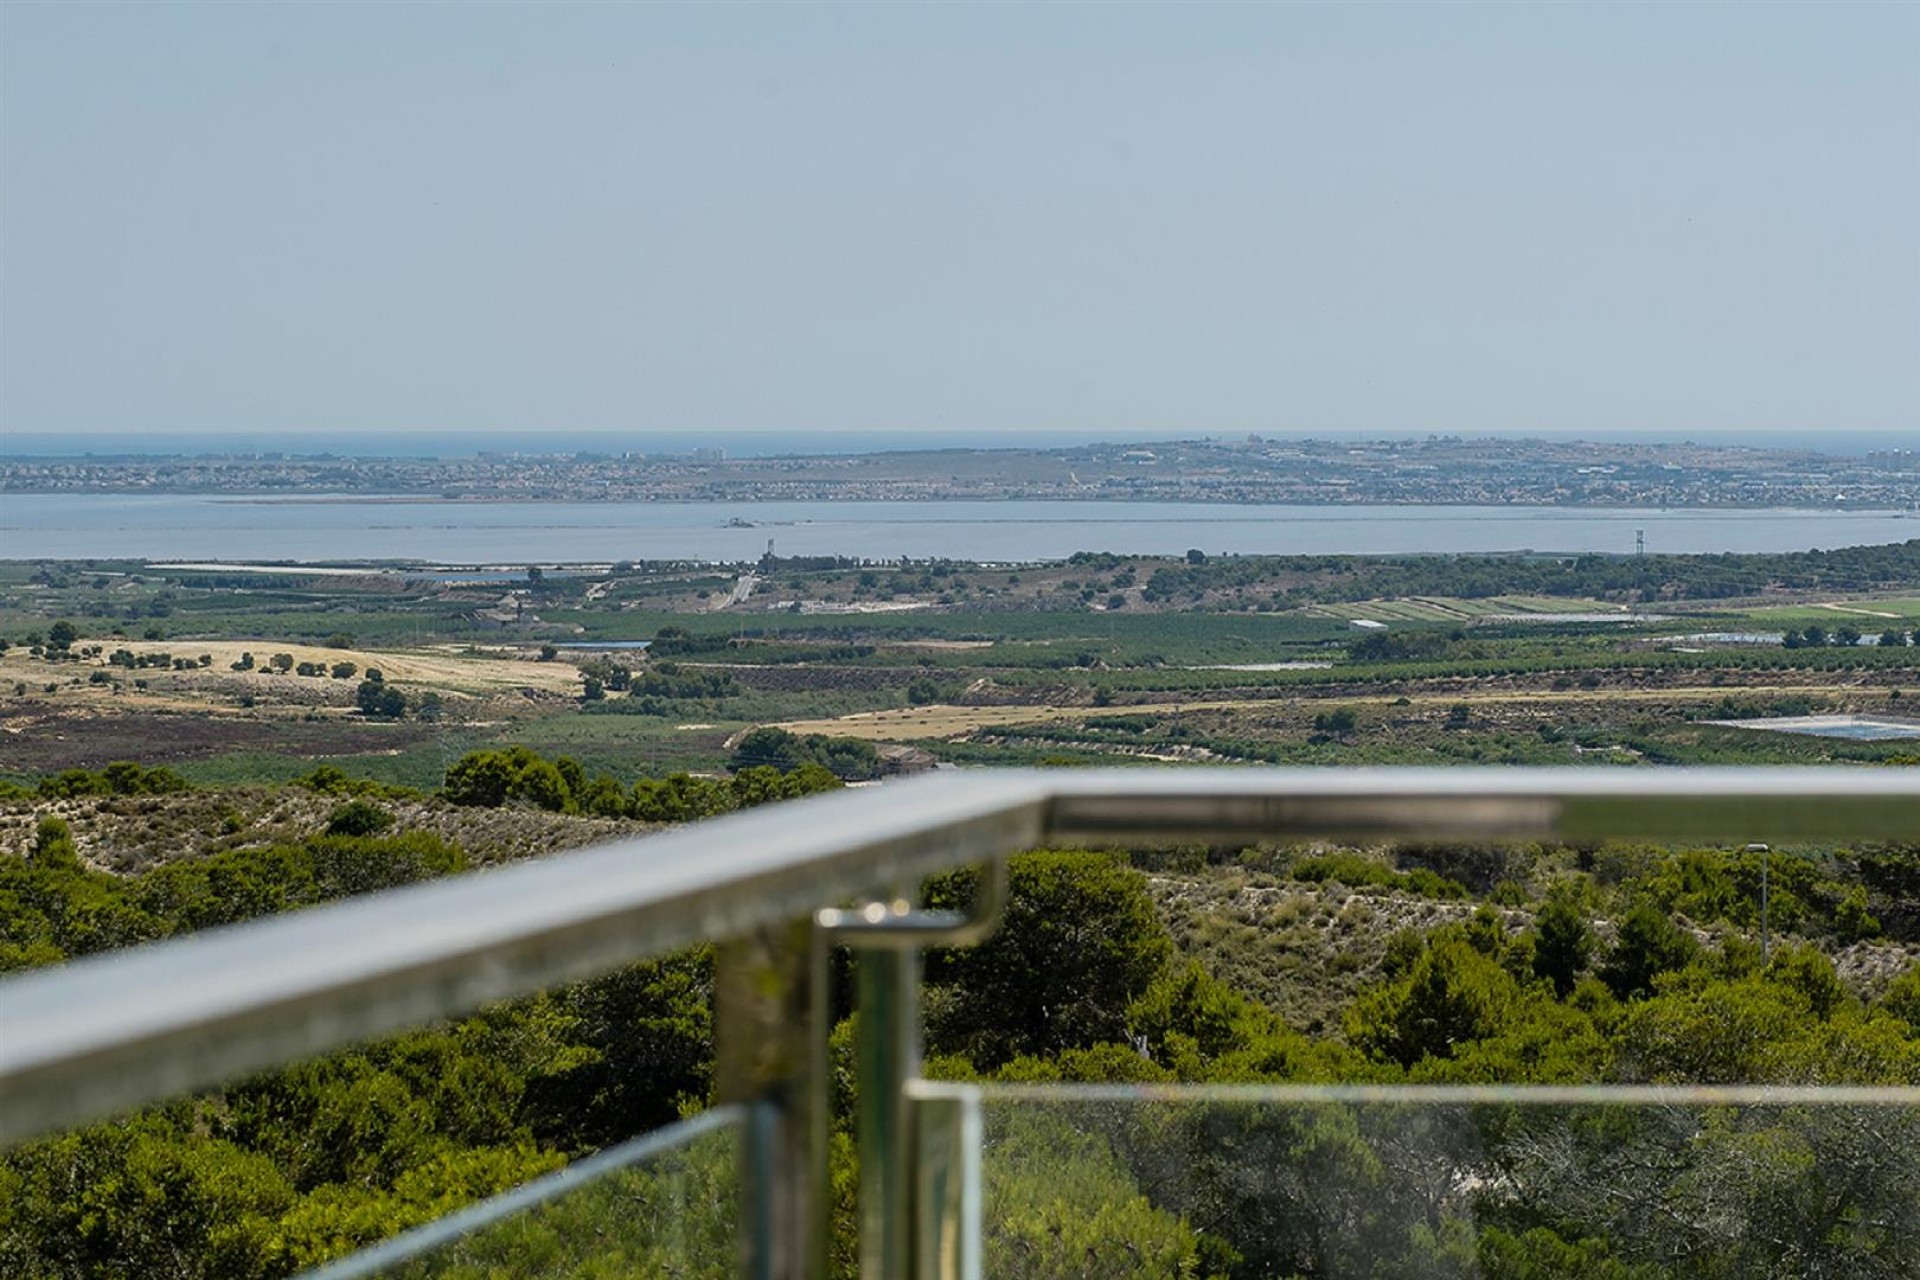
<point>358,818</point>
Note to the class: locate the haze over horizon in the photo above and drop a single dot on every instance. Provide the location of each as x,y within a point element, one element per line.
<point>1397,219</point>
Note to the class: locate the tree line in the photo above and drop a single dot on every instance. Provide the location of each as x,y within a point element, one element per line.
<point>518,775</point>
<point>1646,578</point>
<point>1845,636</point>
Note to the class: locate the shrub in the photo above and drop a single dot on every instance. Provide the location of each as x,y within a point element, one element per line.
<point>850,759</point>
<point>378,701</point>
<point>1649,944</point>
<point>358,818</point>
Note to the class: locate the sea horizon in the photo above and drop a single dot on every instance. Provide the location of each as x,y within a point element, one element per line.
<point>752,444</point>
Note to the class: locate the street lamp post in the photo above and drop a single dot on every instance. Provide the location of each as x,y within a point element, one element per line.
<point>1766,940</point>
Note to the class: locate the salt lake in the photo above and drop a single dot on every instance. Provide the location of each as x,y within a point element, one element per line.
<point>314,528</point>
<point>1856,728</point>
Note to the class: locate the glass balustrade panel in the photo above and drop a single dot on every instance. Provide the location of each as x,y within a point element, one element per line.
<point>662,1207</point>
<point>1124,1182</point>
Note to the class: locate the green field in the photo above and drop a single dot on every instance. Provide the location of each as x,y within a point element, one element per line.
<point>1871,614</point>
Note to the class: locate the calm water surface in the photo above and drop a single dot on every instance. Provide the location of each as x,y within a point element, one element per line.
<point>194,527</point>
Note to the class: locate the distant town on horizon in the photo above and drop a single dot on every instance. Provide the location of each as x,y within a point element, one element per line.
<point>1254,468</point>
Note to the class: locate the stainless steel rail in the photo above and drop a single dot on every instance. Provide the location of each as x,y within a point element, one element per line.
<point>114,1031</point>
<point>111,1032</point>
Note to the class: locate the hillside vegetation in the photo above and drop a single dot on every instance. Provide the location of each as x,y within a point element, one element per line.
<point>1417,963</point>
<point>182,754</point>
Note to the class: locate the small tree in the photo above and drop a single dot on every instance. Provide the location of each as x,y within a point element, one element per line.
<point>377,701</point>
<point>480,778</point>
<point>344,670</point>
<point>1649,944</point>
<point>767,746</point>
<point>358,818</point>
<point>281,662</point>
<point>541,784</point>
<point>53,846</point>
<point>1453,995</point>
<point>1851,919</point>
<point>1893,637</point>
<point>1081,940</point>
<point>1562,943</point>
<point>61,635</point>
<point>1339,723</point>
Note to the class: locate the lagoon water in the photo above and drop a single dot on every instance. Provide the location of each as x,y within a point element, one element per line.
<point>318,527</point>
<point>1853,728</point>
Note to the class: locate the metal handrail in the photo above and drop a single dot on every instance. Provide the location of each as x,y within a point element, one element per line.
<point>111,1032</point>
<point>1428,1095</point>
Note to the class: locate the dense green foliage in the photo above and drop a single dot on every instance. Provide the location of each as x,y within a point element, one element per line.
<point>288,1169</point>
<point>53,907</point>
<point>1276,1190</point>
<point>671,1216</point>
<point>121,778</point>
<point>1271,1190</point>
<point>1652,577</point>
<point>1079,941</point>
<point>1613,963</point>
<point>490,779</point>
<point>850,759</point>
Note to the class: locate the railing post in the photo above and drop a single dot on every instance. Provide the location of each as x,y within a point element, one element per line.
<point>888,935</point>
<point>888,1055</point>
<point>764,1011</point>
<point>948,1137</point>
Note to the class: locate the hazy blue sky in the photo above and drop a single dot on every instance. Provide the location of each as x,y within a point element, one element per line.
<point>1440,217</point>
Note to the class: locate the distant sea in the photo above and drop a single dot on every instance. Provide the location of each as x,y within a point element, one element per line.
<point>323,528</point>
<point>750,444</point>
